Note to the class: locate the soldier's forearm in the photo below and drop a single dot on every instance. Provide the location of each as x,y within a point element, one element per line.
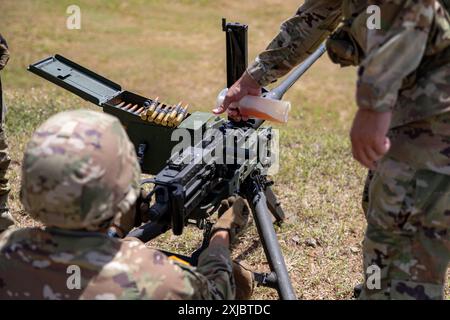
<point>298,38</point>
<point>216,266</point>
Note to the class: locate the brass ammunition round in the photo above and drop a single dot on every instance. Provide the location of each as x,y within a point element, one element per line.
<point>133,109</point>
<point>162,114</point>
<point>128,106</point>
<point>156,112</point>
<point>120,105</point>
<point>165,121</point>
<point>140,110</point>
<point>152,109</point>
<point>173,113</point>
<point>181,115</point>
<point>153,106</point>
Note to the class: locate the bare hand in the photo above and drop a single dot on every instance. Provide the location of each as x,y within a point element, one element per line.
<point>368,136</point>
<point>246,85</point>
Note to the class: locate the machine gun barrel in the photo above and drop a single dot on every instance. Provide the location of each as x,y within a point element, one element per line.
<point>278,92</point>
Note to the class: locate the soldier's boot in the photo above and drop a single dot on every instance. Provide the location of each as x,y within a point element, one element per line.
<point>6,220</point>
<point>244,279</point>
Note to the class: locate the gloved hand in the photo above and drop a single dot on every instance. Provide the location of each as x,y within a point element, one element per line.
<point>234,217</point>
<point>4,52</point>
<point>123,223</point>
<point>225,205</point>
<point>244,280</point>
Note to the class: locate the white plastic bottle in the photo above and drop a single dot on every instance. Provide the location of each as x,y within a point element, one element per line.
<point>260,107</point>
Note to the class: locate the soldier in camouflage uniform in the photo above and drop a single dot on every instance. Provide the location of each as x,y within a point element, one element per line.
<point>80,173</point>
<point>5,217</point>
<point>401,130</point>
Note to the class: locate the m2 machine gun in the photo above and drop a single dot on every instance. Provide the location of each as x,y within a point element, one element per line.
<point>225,159</point>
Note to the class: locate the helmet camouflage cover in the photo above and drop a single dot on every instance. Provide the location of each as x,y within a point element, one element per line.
<point>79,170</point>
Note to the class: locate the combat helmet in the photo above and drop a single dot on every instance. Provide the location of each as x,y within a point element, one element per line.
<point>79,171</point>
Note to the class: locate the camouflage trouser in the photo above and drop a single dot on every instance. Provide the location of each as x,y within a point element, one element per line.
<point>407,206</point>
<point>5,218</point>
<point>4,164</point>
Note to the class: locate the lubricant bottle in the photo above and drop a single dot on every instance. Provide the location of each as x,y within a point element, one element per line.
<point>260,107</point>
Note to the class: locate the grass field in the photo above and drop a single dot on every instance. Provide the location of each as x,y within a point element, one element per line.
<point>176,50</point>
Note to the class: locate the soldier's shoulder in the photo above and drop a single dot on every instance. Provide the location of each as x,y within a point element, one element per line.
<point>152,272</point>
<point>15,235</point>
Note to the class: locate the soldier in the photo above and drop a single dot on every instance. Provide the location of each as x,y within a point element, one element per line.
<point>80,173</point>
<point>6,219</point>
<point>401,130</point>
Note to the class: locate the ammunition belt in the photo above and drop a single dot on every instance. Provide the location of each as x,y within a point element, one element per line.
<point>156,112</point>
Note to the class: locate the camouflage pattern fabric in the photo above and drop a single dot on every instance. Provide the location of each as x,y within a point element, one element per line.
<point>5,217</point>
<point>418,29</point>
<point>79,171</point>
<point>34,264</point>
<point>6,220</point>
<point>408,213</point>
<point>414,86</point>
<point>299,36</point>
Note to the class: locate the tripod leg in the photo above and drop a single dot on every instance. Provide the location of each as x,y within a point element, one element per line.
<point>271,246</point>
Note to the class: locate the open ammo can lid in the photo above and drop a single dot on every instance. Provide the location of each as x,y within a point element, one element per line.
<point>77,79</point>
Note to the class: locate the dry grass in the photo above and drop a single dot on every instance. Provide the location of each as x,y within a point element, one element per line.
<point>175,50</point>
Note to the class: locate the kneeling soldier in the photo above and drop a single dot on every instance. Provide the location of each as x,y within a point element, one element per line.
<point>80,173</point>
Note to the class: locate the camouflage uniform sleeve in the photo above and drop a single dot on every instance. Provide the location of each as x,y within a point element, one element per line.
<point>212,279</point>
<point>4,52</point>
<point>393,52</point>
<point>299,36</point>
